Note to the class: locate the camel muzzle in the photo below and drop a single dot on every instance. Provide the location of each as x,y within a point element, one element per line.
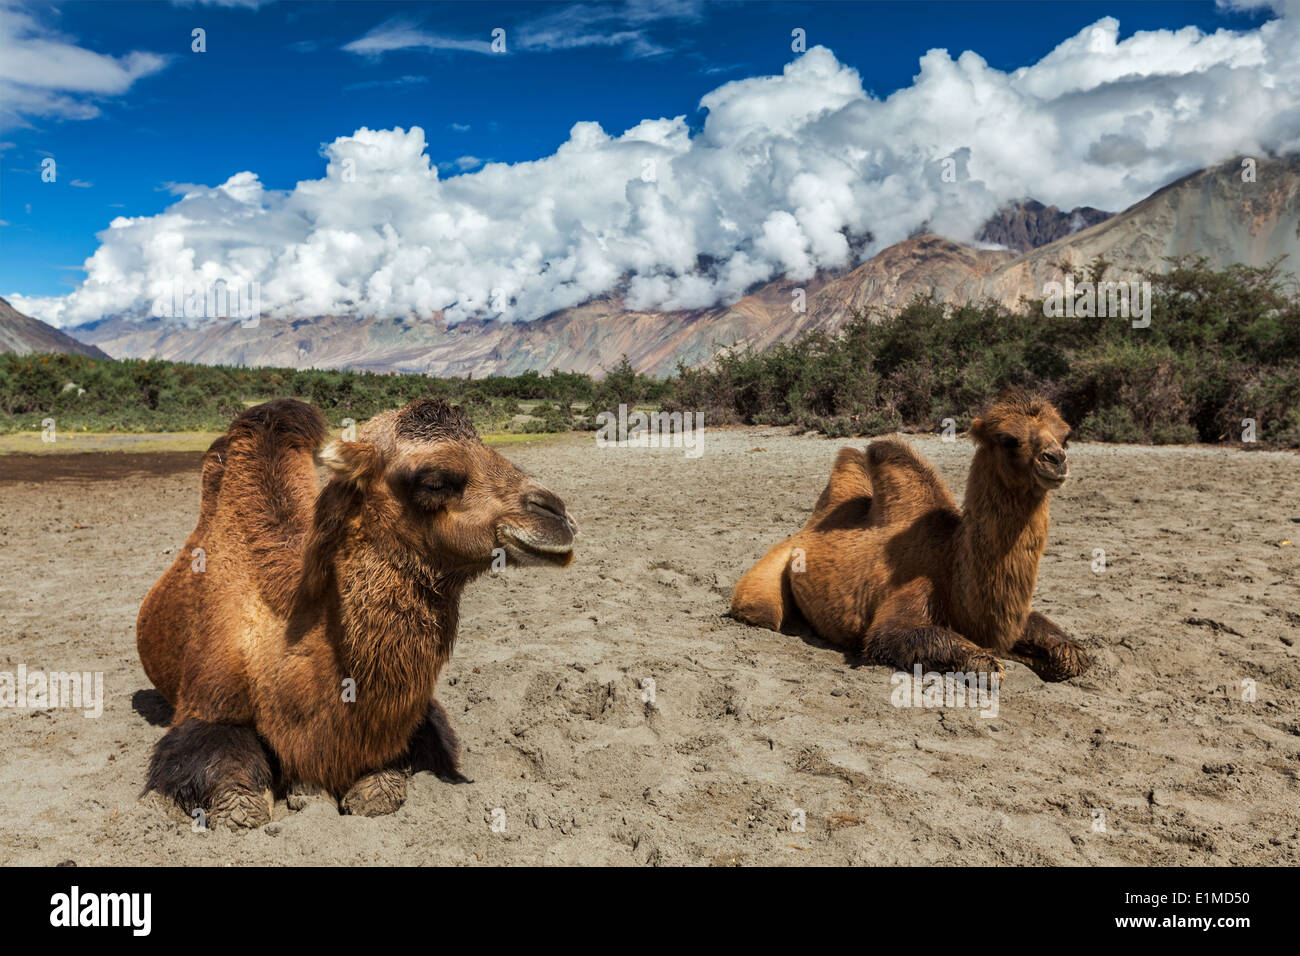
<point>1051,469</point>
<point>547,534</point>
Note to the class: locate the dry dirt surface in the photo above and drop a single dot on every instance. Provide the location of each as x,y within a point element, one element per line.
<point>756,747</point>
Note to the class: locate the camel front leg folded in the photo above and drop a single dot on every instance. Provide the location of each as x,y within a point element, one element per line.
<point>221,769</point>
<point>934,648</point>
<point>433,747</point>
<point>376,794</point>
<point>1048,651</point>
<point>902,635</point>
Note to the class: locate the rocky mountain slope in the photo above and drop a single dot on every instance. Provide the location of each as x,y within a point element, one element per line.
<point>22,334</point>
<point>1029,224</point>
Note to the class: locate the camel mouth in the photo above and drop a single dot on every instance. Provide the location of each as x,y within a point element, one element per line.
<point>528,548</point>
<point>1051,480</point>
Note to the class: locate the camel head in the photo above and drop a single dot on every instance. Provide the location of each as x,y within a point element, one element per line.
<point>1026,438</point>
<point>431,488</point>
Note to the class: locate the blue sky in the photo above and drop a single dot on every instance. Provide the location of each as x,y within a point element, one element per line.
<point>279,80</point>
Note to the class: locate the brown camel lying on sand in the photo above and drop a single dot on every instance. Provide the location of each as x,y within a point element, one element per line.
<point>889,566</point>
<point>312,624</point>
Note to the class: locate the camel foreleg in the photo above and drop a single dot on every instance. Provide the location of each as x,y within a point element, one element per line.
<point>902,635</point>
<point>934,648</point>
<point>1048,651</point>
<point>377,793</point>
<point>433,747</point>
<point>221,769</point>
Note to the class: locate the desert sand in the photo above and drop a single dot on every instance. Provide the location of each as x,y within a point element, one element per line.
<point>1153,756</point>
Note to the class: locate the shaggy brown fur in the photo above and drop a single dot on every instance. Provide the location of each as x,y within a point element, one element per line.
<point>889,566</point>
<point>309,592</point>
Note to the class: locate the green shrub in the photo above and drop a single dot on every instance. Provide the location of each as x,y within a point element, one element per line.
<point>1222,346</point>
<point>548,418</point>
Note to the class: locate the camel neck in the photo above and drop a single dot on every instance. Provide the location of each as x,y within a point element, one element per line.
<point>1001,539</point>
<point>398,617</point>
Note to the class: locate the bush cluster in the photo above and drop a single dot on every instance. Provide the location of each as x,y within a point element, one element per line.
<point>1222,346</point>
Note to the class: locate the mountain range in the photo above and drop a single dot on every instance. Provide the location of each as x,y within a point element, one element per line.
<point>22,335</point>
<point>1220,213</point>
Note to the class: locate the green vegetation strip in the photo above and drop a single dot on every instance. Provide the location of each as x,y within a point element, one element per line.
<point>1222,348</point>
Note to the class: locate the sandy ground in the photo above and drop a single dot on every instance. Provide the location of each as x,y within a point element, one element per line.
<point>1151,757</point>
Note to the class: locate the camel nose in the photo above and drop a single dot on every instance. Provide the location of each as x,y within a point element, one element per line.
<point>1054,456</point>
<point>548,505</point>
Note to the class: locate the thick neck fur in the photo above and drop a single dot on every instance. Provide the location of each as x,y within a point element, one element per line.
<point>999,543</point>
<point>396,615</point>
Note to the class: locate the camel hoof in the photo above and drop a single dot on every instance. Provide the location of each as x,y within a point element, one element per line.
<point>376,794</point>
<point>241,809</point>
<point>1065,660</point>
<point>984,663</point>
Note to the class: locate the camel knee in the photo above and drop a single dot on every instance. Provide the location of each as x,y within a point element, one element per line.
<point>376,794</point>
<point>196,764</point>
<point>240,808</point>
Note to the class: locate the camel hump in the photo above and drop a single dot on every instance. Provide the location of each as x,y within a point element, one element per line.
<point>214,468</point>
<point>289,424</point>
<point>849,480</point>
<point>267,489</point>
<point>904,485</point>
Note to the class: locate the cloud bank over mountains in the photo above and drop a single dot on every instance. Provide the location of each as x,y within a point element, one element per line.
<point>790,174</point>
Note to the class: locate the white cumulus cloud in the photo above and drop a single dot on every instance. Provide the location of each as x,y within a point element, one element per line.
<point>790,174</point>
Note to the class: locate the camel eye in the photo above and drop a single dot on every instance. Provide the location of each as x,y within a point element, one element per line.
<point>441,479</point>
<point>1008,441</point>
<point>432,486</point>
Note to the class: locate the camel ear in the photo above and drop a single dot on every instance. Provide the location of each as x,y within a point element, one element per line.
<point>356,462</point>
<point>979,430</point>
